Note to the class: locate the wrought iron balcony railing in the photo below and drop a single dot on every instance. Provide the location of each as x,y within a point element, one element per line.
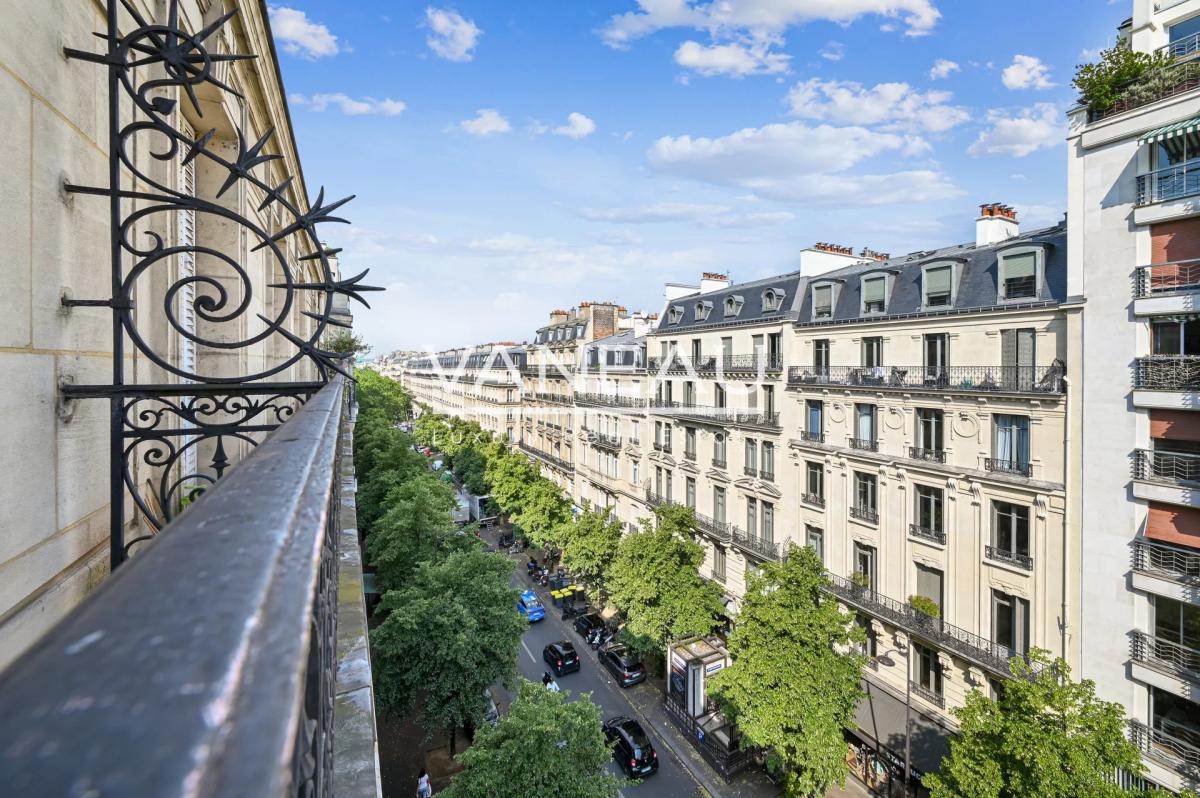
<point>719,462</point>
<point>968,645</point>
<point>949,379</point>
<point>1011,557</point>
<point>233,610</point>
<point>868,514</point>
<point>1003,466</point>
<point>690,454</point>
<point>552,398</point>
<point>1166,655</point>
<point>927,533</point>
<point>1169,467</point>
<point>1171,182</point>
<point>815,499</point>
<point>662,446</point>
<point>711,414</point>
<point>932,697</point>
<point>608,400</point>
<point>928,455</point>
<point>1167,373</point>
<point>864,444</point>
<point>1154,85</point>
<point>766,549</point>
<point>656,499</point>
<point>1164,279</point>
<point>605,441</point>
<point>812,437</point>
<point>1166,748</point>
<point>766,474</point>
<point>750,471</point>
<point>719,364</point>
<point>546,457</point>
<point>721,530</point>
<point>1167,562</point>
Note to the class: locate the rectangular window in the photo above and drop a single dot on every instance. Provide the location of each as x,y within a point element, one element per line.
<point>938,286</point>
<point>929,508</point>
<point>718,568</point>
<point>1010,528</point>
<point>1010,621</point>
<point>658,480</point>
<point>821,357</point>
<point>929,584</point>
<point>719,505</point>
<point>870,648</point>
<point>814,480</point>
<point>751,517</point>
<point>874,291</point>
<point>667,437</point>
<point>719,450</point>
<point>757,345</point>
<point>768,460</point>
<point>719,395</point>
<point>689,394</point>
<point>727,349</point>
<point>751,456</point>
<point>768,404</point>
<point>633,472</point>
<point>689,443</point>
<point>774,348</point>
<point>1017,358</point>
<point>872,353</point>
<point>667,484</point>
<point>864,564</point>
<point>690,492</point>
<point>814,538</point>
<point>635,428</point>
<point>929,430</point>
<point>864,492</point>
<point>823,301</point>
<point>814,411</point>
<point>768,522</point>
<point>751,396</point>
<point>696,351</point>
<point>937,361</point>
<point>1020,275</point>
<point>929,669</point>
<point>864,427</point>
<point>1010,449</point>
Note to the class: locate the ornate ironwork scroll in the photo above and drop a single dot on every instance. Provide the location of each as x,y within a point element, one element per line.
<point>152,68</point>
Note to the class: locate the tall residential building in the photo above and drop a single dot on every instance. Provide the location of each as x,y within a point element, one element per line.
<point>1134,254</point>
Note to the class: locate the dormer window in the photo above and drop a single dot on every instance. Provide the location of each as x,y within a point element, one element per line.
<point>823,302</point>
<point>772,300</point>
<point>675,314</point>
<point>702,310</point>
<point>1018,275</point>
<point>579,331</point>
<point>733,305</point>
<point>874,294</point>
<point>939,286</point>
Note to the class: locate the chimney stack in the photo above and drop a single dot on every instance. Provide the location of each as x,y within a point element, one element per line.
<point>996,223</point>
<point>713,281</point>
<point>558,316</point>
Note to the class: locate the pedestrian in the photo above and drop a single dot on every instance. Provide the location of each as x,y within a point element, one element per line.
<point>424,788</point>
<point>546,678</point>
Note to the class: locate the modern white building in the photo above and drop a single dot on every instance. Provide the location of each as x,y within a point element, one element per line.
<point>1134,255</point>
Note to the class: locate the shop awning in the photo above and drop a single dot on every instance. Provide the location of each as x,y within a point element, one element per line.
<point>1171,131</point>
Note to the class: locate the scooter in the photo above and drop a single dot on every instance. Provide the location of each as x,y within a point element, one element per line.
<point>601,637</point>
<point>544,577</point>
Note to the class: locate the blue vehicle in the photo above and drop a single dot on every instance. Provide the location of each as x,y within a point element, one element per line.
<point>531,607</point>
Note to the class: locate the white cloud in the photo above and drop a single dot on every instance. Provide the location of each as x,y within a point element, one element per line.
<point>942,69</point>
<point>298,35</point>
<point>1019,134</point>
<point>1088,54</point>
<point>1026,72</point>
<point>578,126</point>
<point>734,59</point>
<point>794,162</point>
<point>706,215</point>
<point>487,122</point>
<point>451,36</point>
<point>731,18</point>
<point>349,105</point>
<point>832,51</point>
<point>895,105</point>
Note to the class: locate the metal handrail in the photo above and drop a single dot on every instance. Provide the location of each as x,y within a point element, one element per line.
<point>753,418</point>
<point>1166,654</point>
<point>1167,373</point>
<point>1169,562</point>
<point>721,364</point>
<point>812,437</point>
<point>546,457</point>
<point>1188,45</point>
<point>721,530</point>
<point>927,533</point>
<point>1174,277</point>
<point>928,455</point>
<point>864,514</point>
<point>953,379</point>
<point>937,699</point>
<point>208,652</point>
<point>1004,466</point>
<point>660,446</point>
<point>1152,86</point>
<point>814,499</point>
<point>1011,557</point>
<point>604,440</point>
<point>1166,749</point>
<point>767,549</point>
<point>720,462</point>
<point>864,444</point>
<point>553,398</point>
<point>1170,467</point>
<point>1170,182</point>
<point>608,400</point>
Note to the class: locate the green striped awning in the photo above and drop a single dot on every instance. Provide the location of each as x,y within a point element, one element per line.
<point>1171,131</point>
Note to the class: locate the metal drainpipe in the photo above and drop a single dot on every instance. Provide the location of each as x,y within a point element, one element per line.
<point>1067,510</point>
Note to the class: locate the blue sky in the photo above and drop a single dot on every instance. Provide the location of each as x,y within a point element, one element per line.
<point>514,157</point>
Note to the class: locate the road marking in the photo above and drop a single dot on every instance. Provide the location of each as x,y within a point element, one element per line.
<point>527,651</point>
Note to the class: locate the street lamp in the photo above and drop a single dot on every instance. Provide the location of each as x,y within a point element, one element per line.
<point>906,650</point>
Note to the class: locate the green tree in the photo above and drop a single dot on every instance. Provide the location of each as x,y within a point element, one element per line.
<point>1103,84</point>
<point>1046,736</point>
<point>792,686</point>
<point>590,546</point>
<point>447,635</point>
<point>510,476</point>
<point>543,746</point>
<point>417,527</point>
<point>656,584</point>
<point>344,342</point>
<point>543,514</point>
<point>381,395</point>
<point>470,466</point>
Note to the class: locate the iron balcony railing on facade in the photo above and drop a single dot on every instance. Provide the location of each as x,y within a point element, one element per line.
<point>1169,467</point>
<point>1023,561</point>
<point>759,547</point>
<point>1164,279</point>
<point>768,364</point>
<point>608,400</point>
<point>546,457</point>
<point>951,379</point>
<point>1165,748</point>
<point>1171,182</point>
<point>968,645</point>
<point>766,474</point>
<point>1167,373</point>
<point>664,447</point>
<point>930,696</point>
<point>689,454</point>
<point>718,576</point>
<point>553,398</point>
<point>812,437</point>
<point>231,610</point>
<point>1002,465</point>
<point>867,514</point>
<point>1167,562</point>
<point>554,371</point>
<point>928,455</point>
<point>864,444</point>
<point>927,533</point>
<point>720,462</point>
<point>721,530</point>
<point>711,414</point>
<point>656,499</point>
<point>1152,86</point>
<point>750,471</point>
<point>605,441</point>
<point>1166,655</point>
<point>815,499</point>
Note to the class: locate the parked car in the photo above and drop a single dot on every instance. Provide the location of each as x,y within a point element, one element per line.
<point>492,713</point>
<point>531,606</point>
<point>561,657</point>
<point>624,666</point>
<point>631,746</point>
<point>586,623</point>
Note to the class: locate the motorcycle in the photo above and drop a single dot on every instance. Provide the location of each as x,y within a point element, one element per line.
<point>601,637</point>
<point>544,577</point>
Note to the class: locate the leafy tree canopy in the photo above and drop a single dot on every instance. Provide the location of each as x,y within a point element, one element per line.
<point>345,342</point>
<point>1102,84</point>
<point>542,746</point>
<point>792,686</point>
<point>416,527</point>
<point>590,546</point>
